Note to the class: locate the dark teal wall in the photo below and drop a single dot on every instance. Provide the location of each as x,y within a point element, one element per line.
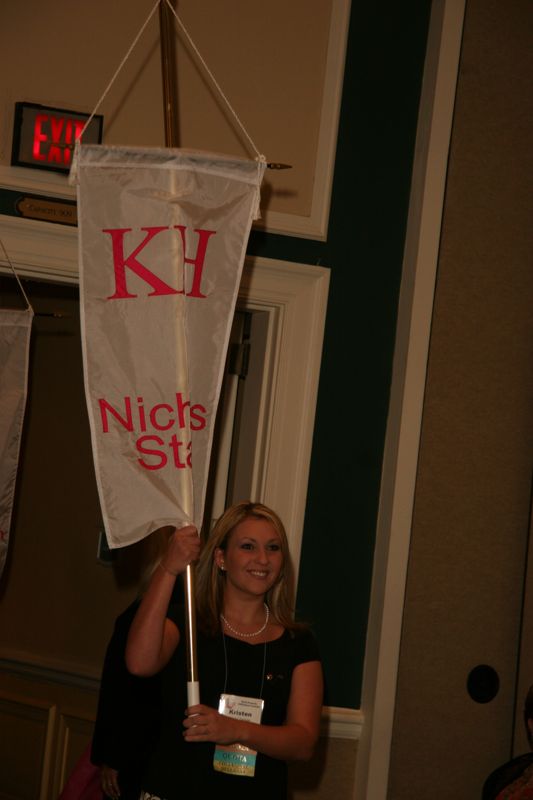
<point>364,250</point>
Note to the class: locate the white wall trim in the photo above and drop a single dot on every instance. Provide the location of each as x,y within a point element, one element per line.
<point>49,184</point>
<point>39,250</point>
<point>25,666</point>
<point>336,723</point>
<point>341,723</point>
<point>407,396</point>
<point>297,293</point>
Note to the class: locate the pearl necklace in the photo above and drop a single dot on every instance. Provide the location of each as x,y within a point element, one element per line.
<point>248,635</point>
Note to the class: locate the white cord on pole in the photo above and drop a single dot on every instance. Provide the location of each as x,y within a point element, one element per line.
<point>15,274</point>
<point>259,156</point>
<point>130,50</point>
<point>215,82</point>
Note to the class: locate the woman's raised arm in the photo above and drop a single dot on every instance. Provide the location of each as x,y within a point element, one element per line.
<point>153,637</point>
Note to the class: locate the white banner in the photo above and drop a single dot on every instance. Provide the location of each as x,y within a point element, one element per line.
<point>162,240</point>
<point>15,329</point>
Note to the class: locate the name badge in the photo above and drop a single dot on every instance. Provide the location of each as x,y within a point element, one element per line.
<point>236,759</point>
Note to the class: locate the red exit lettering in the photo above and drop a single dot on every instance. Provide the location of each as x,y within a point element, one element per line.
<point>54,137</point>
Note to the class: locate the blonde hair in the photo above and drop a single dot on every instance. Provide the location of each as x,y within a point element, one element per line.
<point>210,580</point>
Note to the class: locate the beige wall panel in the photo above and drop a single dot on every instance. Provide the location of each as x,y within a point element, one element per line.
<point>329,775</point>
<point>271,61</point>
<point>470,524</point>
<point>27,727</point>
<point>41,704</point>
<point>278,103</point>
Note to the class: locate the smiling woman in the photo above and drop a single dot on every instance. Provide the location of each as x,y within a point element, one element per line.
<point>260,674</point>
<point>252,560</point>
<point>248,542</point>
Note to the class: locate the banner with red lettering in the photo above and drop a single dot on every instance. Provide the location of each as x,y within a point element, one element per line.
<point>162,241</point>
<point>15,330</point>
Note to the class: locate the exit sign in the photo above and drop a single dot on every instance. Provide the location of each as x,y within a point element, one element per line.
<point>44,137</point>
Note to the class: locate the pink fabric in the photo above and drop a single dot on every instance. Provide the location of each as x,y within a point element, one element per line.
<point>84,780</point>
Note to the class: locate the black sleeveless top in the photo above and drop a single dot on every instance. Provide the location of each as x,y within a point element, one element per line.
<point>179,769</point>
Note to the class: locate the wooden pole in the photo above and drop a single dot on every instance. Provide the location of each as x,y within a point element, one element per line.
<point>168,73</point>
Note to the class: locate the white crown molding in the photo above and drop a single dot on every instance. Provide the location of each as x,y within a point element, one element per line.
<point>36,181</point>
<point>39,250</point>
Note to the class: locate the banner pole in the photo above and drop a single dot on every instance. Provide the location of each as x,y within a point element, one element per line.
<point>168,73</point>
